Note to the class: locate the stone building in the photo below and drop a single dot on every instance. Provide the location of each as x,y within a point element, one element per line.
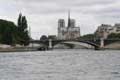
<point>105,29</point>
<point>117,28</point>
<point>69,32</point>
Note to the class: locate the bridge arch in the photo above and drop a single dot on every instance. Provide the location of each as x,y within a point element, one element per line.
<point>73,44</point>
<point>78,41</point>
<point>54,42</point>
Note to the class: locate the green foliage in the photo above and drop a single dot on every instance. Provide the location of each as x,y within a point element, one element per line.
<point>19,20</point>
<point>114,36</point>
<point>7,32</point>
<point>43,38</point>
<point>22,30</point>
<point>11,34</point>
<point>88,36</point>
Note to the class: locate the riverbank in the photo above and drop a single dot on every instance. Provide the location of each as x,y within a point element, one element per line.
<point>18,49</point>
<point>27,49</point>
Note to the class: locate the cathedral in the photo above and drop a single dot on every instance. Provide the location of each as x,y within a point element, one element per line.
<point>70,32</point>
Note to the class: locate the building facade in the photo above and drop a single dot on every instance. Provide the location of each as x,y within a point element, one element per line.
<point>105,29</point>
<point>61,23</point>
<point>69,32</point>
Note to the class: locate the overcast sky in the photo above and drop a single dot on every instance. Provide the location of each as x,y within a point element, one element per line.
<point>43,15</point>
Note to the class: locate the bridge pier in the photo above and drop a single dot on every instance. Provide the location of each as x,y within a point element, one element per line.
<point>101,43</point>
<point>50,44</point>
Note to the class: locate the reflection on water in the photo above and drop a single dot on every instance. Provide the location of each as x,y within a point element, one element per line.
<point>60,65</point>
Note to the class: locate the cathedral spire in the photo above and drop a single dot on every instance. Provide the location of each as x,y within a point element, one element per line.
<point>69,19</point>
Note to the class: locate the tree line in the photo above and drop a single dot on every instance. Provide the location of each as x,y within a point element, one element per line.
<point>12,34</point>
<point>94,36</point>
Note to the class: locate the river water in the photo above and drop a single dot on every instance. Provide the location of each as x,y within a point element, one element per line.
<point>60,65</point>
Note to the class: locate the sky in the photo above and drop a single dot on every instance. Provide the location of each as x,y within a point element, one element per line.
<point>43,15</point>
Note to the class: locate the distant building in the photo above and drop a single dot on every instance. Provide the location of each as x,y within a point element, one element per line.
<point>53,37</point>
<point>105,29</point>
<point>117,28</point>
<point>69,32</point>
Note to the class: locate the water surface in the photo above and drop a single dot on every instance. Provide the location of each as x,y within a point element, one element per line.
<point>60,65</point>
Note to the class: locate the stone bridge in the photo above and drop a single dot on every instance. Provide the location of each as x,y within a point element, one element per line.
<point>97,44</point>
<point>50,43</point>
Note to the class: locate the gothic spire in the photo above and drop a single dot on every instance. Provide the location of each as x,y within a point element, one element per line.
<point>69,19</point>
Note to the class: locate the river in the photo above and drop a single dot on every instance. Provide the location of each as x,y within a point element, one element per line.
<point>60,65</point>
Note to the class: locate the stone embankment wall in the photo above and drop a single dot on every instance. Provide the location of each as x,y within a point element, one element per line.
<point>115,45</point>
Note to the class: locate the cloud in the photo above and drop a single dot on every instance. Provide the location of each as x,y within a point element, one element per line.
<point>42,15</point>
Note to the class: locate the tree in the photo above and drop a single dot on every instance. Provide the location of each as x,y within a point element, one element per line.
<point>20,21</point>
<point>43,38</point>
<point>7,32</point>
<point>11,34</point>
<point>88,36</point>
<point>114,36</point>
<point>22,30</point>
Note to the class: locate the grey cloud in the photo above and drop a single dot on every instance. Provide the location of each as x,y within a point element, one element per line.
<point>100,10</point>
<point>70,2</point>
<point>58,6</point>
<point>93,2</point>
